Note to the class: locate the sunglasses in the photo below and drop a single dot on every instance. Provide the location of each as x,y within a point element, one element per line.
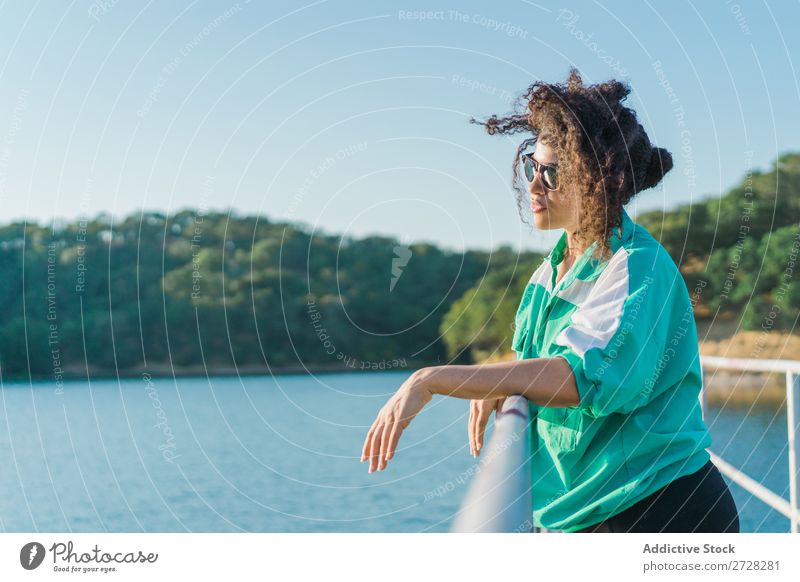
<point>549,173</point>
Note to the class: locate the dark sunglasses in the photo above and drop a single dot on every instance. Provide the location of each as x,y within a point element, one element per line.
<point>549,173</point>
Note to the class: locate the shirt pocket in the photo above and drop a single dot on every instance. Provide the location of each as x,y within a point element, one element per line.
<point>560,428</point>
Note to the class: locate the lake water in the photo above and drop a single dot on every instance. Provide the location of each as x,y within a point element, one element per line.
<point>269,454</point>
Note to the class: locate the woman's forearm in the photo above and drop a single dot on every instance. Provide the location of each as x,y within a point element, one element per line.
<point>543,381</point>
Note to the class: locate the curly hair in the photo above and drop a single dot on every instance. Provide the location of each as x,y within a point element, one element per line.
<point>604,153</point>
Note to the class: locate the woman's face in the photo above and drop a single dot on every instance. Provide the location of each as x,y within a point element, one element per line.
<point>551,208</point>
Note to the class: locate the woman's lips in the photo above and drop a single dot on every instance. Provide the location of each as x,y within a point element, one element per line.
<point>538,207</point>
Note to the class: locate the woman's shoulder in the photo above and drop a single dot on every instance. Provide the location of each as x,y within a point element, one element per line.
<point>647,276</point>
<point>639,267</point>
<point>647,257</point>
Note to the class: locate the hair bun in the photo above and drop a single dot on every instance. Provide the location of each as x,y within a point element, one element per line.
<point>660,164</point>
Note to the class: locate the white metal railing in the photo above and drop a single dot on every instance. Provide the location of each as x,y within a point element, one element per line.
<point>499,498</point>
<point>791,369</point>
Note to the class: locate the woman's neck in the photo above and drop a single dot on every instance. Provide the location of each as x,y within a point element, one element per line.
<point>574,249</point>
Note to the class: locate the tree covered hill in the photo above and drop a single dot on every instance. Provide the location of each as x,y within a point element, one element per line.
<point>742,248</point>
<point>197,292</point>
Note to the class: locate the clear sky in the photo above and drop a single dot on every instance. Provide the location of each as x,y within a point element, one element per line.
<point>353,116</point>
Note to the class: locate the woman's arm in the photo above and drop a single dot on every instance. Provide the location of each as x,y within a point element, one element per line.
<point>544,381</point>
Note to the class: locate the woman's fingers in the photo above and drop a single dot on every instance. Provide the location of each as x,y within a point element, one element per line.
<point>387,428</point>
<point>479,426</point>
<point>484,419</point>
<point>368,441</point>
<point>469,427</point>
<point>477,422</point>
<point>375,447</point>
<point>476,419</point>
<point>485,408</point>
<point>394,437</point>
<point>393,419</point>
<point>365,446</point>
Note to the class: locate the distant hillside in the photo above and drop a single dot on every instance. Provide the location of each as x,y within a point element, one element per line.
<point>196,292</point>
<point>743,246</point>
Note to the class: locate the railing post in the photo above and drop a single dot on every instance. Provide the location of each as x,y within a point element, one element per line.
<point>792,417</point>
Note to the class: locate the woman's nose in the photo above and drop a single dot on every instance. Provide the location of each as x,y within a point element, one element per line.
<point>536,186</point>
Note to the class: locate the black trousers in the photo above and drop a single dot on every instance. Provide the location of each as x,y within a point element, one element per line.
<point>700,502</point>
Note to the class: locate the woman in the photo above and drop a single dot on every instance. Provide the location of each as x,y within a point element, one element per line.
<point>607,351</point>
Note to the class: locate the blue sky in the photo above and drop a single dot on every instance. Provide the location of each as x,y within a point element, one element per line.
<point>352,117</point>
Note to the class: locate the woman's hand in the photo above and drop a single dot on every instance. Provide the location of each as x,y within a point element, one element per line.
<point>392,420</point>
<point>479,413</point>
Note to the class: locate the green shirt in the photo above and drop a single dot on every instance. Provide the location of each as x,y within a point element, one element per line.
<point>626,327</point>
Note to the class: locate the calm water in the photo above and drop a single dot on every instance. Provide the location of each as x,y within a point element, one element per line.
<point>267,454</point>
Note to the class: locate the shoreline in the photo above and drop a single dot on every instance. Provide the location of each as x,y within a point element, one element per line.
<point>161,371</point>
<point>723,388</point>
